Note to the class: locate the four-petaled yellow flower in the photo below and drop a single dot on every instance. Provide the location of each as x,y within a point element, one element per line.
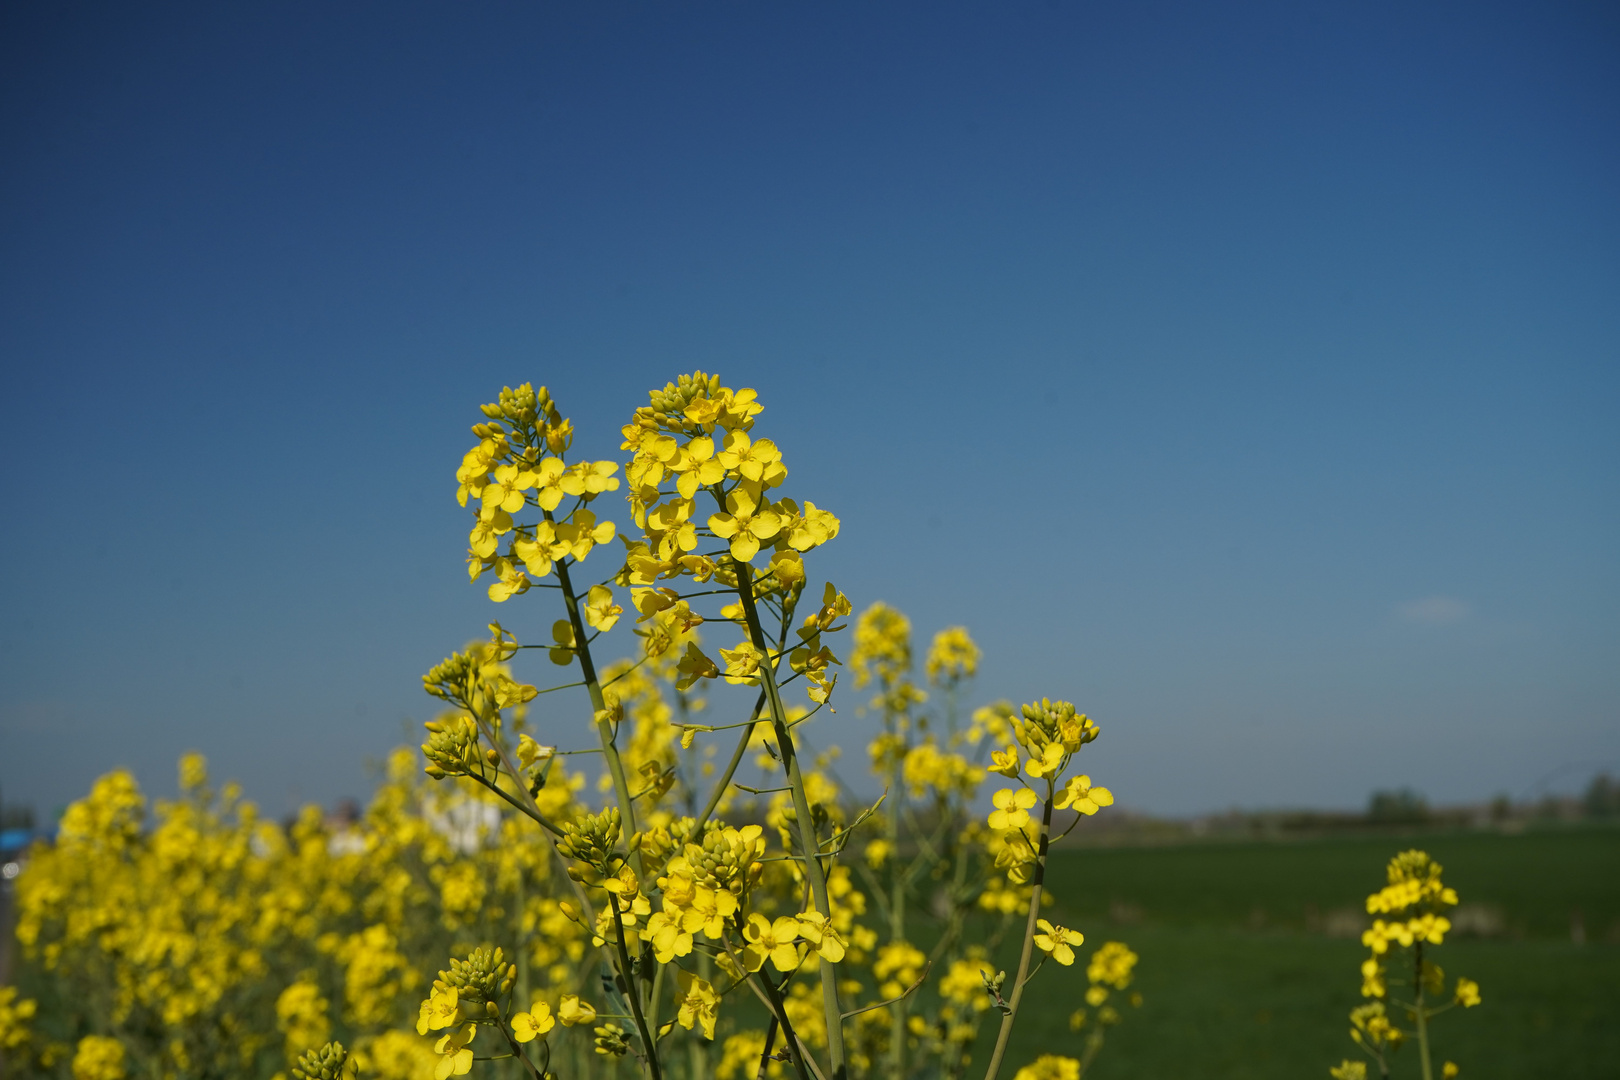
<point>1056,941</point>
<point>528,1026</point>
<point>1011,808</point>
<point>771,940</point>
<point>1081,796</point>
<point>825,941</point>
<point>748,522</point>
<point>1046,762</point>
<point>440,1010</point>
<point>456,1056</point>
<point>600,610</point>
<point>760,462</point>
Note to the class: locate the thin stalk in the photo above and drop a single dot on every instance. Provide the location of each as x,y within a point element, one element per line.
<point>898,880</point>
<point>1420,1015</point>
<point>808,841</point>
<point>765,1054</point>
<point>1029,940</point>
<point>633,992</point>
<point>731,769</point>
<point>604,730</point>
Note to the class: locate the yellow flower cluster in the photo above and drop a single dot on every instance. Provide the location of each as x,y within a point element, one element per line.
<point>1417,898</point>
<point>196,938</point>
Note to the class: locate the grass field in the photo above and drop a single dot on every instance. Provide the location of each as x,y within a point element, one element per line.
<point>1242,980</point>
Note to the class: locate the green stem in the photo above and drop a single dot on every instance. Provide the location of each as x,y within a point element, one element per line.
<point>731,768</point>
<point>898,875</point>
<point>1420,1015</point>
<point>1029,939</point>
<point>808,841</point>
<point>604,729</point>
<point>633,992</point>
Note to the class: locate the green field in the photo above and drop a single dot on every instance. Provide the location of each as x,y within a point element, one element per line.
<point>1242,979</point>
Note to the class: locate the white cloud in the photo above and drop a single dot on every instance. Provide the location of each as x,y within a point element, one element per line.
<point>1434,611</point>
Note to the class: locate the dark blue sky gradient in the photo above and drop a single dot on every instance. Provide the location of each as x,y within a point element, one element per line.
<point>1245,373</point>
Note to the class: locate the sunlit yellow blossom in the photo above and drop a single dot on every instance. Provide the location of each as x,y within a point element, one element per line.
<point>548,477</point>
<point>590,478</point>
<point>759,461</point>
<point>1011,808</point>
<point>440,1010</point>
<point>528,1026</point>
<point>573,1012</point>
<point>771,940</point>
<point>1467,993</point>
<point>822,937</point>
<point>581,533</point>
<point>601,612</point>
<point>742,663</point>
<point>455,1050</point>
<point>746,522</point>
<point>699,1004</point>
<point>1056,941</point>
<point>1045,761</point>
<point>1081,796</point>
<point>1005,762</point>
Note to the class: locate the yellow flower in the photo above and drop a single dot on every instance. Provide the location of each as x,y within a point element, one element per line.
<point>441,1009</point>
<point>699,1004</point>
<point>548,476</point>
<point>952,655</point>
<point>668,934</point>
<point>600,610</point>
<point>580,534</point>
<point>1011,808</point>
<point>1005,762</point>
<point>1055,941</point>
<point>574,1012</point>
<point>760,462</point>
<point>1112,964</point>
<point>590,478</point>
<point>1047,762</point>
<point>694,665</point>
<point>1050,1067</point>
<point>1449,1071</point>
<point>15,1016</point>
<point>1467,993</point>
<point>825,941</point>
<point>773,941</point>
<point>696,466</point>
<point>742,664</point>
<point>99,1058</point>
<point>455,1053</point>
<point>747,523</point>
<point>877,853</point>
<point>1080,795</point>
<point>528,1026</point>
<point>1349,1070</point>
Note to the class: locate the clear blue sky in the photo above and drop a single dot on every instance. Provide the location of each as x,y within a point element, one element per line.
<point>1243,372</point>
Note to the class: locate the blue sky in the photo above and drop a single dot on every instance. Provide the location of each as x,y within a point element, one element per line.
<point>1245,373</point>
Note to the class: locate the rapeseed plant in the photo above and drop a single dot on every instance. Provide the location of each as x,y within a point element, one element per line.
<point>1411,921</point>
<point>688,923</point>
